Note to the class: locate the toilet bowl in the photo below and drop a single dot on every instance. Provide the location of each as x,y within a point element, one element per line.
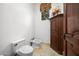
<point>25,51</point>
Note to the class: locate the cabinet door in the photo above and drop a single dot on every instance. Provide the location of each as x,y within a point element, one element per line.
<point>60,33</point>
<point>54,35</point>
<point>57,33</point>
<point>72,24</point>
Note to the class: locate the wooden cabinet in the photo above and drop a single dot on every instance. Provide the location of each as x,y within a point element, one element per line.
<point>56,41</point>
<point>71,29</point>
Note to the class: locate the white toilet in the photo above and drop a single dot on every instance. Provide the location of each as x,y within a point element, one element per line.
<point>22,50</point>
<point>25,51</point>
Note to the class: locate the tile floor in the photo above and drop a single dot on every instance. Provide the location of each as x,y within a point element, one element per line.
<point>44,50</point>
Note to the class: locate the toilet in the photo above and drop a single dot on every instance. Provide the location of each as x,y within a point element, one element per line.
<point>25,51</point>
<point>20,49</point>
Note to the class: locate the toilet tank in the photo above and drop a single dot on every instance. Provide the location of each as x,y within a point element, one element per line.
<point>18,43</point>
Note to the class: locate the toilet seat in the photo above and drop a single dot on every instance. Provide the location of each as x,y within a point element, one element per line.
<point>25,50</point>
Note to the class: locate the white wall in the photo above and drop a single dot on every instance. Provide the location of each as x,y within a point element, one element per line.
<point>42,27</point>
<point>21,21</point>
<point>15,23</point>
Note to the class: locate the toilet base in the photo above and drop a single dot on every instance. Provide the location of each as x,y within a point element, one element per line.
<point>30,54</point>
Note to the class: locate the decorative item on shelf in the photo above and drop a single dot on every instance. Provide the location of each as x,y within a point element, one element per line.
<point>57,8</point>
<point>55,11</point>
<point>44,8</point>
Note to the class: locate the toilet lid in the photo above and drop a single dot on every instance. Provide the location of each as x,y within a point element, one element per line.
<point>25,49</point>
